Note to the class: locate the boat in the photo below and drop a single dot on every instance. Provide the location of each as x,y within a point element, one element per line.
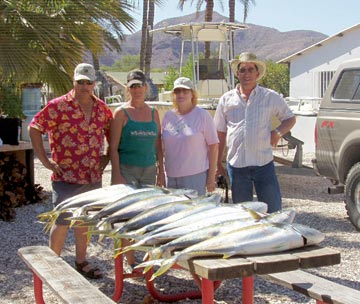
<point>211,77</point>
<point>304,106</point>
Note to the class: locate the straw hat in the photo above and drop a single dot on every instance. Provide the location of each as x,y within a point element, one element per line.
<point>248,57</point>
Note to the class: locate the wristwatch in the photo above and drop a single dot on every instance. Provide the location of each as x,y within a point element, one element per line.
<point>276,130</point>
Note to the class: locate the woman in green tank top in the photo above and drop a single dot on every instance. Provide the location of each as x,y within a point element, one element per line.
<point>135,142</point>
<point>135,145</point>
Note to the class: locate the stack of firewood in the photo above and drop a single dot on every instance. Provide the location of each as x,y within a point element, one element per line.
<point>15,190</point>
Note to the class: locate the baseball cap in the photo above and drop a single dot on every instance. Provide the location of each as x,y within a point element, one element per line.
<point>135,77</point>
<point>84,71</point>
<point>184,83</point>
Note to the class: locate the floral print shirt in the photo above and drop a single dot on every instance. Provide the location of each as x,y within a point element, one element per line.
<point>75,144</point>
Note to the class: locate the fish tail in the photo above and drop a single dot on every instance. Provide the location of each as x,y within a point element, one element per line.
<point>156,253</point>
<point>85,221</point>
<point>147,265</point>
<point>165,266</point>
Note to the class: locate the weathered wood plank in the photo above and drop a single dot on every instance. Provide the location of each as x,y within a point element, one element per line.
<point>274,263</point>
<point>62,279</point>
<point>218,269</point>
<point>315,256</point>
<point>316,287</point>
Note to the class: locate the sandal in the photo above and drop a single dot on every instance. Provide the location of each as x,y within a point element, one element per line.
<point>91,273</point>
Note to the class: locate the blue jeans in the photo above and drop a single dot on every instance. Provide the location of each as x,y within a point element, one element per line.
<point>263,178</point>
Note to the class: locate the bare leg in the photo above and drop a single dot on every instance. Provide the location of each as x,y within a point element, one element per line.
<point>57,237</point>
<point>130,256</point>
<point>80,247</point>
<point>80,243</point>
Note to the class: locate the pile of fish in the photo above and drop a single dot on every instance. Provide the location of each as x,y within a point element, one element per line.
<point>172,225</point>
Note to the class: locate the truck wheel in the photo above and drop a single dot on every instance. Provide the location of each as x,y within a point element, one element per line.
<point>352,195</point>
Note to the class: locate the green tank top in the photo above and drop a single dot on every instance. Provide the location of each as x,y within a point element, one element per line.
<point>137,143</point>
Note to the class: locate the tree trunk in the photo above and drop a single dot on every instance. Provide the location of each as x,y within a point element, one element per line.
<point>232,19</point>
<point>208,18</point>
<point>149,38</point>
<point>144,34</point>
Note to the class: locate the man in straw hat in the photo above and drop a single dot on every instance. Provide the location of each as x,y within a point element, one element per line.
<point>243,120</point>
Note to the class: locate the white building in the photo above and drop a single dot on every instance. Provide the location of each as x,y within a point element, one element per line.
<point>312,68</point>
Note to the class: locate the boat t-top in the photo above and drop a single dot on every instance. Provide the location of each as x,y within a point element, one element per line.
<point>211,76</point>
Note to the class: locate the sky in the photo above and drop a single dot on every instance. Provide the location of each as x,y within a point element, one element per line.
<point>325,16</point>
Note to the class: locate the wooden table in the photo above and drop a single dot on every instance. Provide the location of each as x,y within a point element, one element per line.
<point>24,154</point>
<point>211,271</point>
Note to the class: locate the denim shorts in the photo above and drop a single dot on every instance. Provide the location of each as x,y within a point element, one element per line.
<point>63,191</point>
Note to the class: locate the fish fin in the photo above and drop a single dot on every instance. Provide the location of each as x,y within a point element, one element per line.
<point>255,215</point>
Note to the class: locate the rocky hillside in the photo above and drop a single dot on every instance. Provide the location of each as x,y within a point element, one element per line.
<point>267,43</point>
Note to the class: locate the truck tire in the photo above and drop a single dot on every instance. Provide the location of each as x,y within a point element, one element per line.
<point>352,195</point>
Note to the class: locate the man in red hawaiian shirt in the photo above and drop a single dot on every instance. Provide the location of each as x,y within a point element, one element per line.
<point>76,124</point>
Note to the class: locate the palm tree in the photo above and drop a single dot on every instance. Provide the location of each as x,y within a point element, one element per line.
<point>42,41</point>
<point>246,5</point>
<point>146,37</point>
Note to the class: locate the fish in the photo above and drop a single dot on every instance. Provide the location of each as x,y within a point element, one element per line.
<point>199,235</point>
<point>159,213</point>
<point>212,217</point>
<point>237,209</point>
<point>106,195</point>
<point>136,208</point>
<point>256,239</point>
<point>204,203</point>
<point>125,201</point>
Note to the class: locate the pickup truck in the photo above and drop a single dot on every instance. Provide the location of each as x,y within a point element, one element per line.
<point>337,137</point>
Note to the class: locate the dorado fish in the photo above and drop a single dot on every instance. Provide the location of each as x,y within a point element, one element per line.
<point>221,210</point>
<point>158,214</point>
<point>120,203</point>
<point>107,194</point>
<point>213,217</point>
<point>257,239</point>
<point>203,234</point>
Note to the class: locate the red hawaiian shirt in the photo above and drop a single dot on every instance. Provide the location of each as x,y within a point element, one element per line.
<point>75,144</point>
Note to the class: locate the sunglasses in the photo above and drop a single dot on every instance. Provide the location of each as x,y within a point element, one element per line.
<point>83,81</point>
<point>136,85</point>
<point>244,70</point>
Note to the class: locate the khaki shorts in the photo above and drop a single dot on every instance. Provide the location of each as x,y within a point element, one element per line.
<point>138,175</point>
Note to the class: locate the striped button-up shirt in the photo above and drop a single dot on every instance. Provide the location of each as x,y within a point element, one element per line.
<point>248,125</point>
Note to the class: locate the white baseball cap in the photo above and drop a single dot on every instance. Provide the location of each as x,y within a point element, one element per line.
<point>84,71</point>
<point>184,83</point>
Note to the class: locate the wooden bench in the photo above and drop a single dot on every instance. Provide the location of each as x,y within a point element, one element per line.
<point>322,290</point>
<point>63,280</point>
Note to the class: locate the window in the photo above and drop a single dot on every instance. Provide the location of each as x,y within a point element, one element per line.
<point>347,88</point>
<point>325,78</point>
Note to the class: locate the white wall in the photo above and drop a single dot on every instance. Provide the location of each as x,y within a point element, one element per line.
<point>304,69</point>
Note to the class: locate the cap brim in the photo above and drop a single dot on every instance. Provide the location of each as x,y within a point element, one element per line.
<point>83,77</point>
<point>182,86</point>
<point>134,81</point>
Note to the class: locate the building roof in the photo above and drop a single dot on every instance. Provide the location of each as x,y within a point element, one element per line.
<point>326,41</point>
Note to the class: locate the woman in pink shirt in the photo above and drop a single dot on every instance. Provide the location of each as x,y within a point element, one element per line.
<point>190,142</point>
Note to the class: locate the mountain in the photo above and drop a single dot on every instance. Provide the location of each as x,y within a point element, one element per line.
<point>265,42</point>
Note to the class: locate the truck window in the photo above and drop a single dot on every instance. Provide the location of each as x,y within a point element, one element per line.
<point>347,88</point>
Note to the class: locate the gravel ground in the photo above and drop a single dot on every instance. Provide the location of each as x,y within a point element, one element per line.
<point>302,191</point>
